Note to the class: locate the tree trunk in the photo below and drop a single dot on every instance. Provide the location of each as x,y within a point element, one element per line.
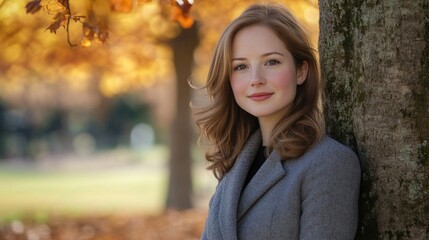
<point>180,180</point>
<point>375,63</point>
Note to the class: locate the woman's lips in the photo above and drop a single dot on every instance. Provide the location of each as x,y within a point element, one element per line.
<point>260,96</point>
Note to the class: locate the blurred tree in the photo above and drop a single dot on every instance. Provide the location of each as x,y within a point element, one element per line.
<point>375,62</point>
<point>180,183</point>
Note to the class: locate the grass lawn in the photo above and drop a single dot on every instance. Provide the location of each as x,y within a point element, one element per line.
<point>127,186</point>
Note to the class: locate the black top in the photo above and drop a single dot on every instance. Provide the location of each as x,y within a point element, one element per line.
<point>257,163</point>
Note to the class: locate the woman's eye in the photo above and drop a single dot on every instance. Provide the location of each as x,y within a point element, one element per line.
<point>239,67</point>
<point>272,62</point>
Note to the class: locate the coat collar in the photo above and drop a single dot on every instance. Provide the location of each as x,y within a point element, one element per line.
<point>233,207</point>
<point>266,177</point>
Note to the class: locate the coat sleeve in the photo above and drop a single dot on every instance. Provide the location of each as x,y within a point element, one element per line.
<point>330,193</point>
<point>204,234</point>
<point>211,211</point>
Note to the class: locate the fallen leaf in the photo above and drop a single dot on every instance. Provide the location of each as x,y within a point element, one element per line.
<point>169,225</point>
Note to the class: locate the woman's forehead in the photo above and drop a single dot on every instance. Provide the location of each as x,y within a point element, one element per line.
<point>256,40</point>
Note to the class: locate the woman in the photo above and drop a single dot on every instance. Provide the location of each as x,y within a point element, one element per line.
<point>280,176</point>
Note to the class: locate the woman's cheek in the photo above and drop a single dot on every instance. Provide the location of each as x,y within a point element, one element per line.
<point>284,79</point>
<point>237,86</point>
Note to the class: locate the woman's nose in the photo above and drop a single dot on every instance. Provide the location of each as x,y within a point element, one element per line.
<point>257,78</point>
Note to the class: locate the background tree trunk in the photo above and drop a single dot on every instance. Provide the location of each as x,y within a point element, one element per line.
<point>375,63</point>
<point>180,181</point>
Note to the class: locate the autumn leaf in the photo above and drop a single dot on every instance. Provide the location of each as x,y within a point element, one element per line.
<point>170,224</point>
<point>54,26</point>
<point>121,5</point>
<point>180,12</point>
<point>59,20</point>
<point>65,3</point>
<point>33,6</point>
<point>184,5</point>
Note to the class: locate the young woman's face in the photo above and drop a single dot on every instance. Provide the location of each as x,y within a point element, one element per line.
<point>264,77</point>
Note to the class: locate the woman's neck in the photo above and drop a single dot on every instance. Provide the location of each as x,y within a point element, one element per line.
<point>267,123</point>
<point>266,129</point>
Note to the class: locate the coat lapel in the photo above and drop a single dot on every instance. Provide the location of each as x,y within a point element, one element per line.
<point>266,177</point>
<point>233,182</point>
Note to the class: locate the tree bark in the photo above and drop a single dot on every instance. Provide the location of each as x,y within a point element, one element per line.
<point>179,194</point>
<point>375,63</point>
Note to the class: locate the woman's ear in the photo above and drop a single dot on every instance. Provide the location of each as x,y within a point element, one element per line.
<point>301,73</point>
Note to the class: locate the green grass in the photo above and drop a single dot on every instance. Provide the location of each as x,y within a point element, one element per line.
<point>130,186</point>
<point>101,191</point>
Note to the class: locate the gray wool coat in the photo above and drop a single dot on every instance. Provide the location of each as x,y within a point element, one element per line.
<point>312,197</point>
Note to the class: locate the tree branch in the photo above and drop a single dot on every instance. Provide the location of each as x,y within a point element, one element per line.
<point>68,24</point>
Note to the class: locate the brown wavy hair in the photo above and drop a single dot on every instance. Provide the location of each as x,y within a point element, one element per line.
<point>227,127</point>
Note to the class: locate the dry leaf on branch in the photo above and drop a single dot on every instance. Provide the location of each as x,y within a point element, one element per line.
<point>33,6</point>
<point>59,20</point>
<point>65,3</point>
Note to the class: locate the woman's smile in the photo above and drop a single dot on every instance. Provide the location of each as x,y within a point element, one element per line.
<point>260,96</point>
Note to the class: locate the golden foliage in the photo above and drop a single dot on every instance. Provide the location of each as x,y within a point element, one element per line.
<point>127,51</point>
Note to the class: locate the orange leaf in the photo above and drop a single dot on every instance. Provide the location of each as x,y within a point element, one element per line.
<point>121,5</point>
<point>180,12</point>
<point>184,5</point>
<point>33,6</point>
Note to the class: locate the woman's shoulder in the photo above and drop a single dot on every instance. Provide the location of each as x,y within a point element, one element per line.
<point>330,146</point>
<point>330,153</point>
<point>334,155</point>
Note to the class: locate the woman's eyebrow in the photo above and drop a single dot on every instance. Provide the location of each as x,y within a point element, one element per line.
<point>272,53</point>
<point>263,55</point>
<point>238,59</point>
